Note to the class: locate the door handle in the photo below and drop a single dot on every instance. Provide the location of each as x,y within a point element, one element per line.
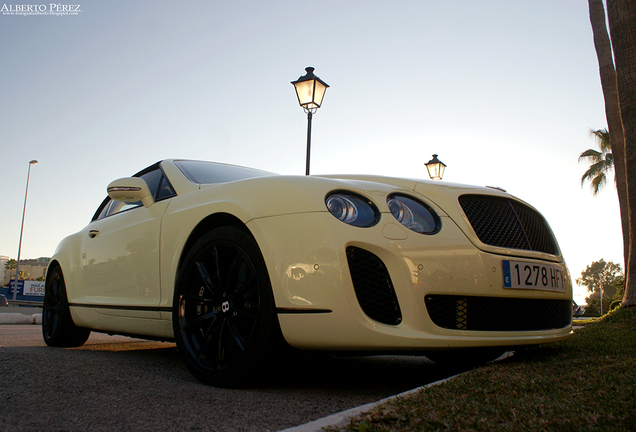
<point>93,233</point>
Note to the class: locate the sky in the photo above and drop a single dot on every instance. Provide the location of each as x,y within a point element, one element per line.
<point>504,92</point>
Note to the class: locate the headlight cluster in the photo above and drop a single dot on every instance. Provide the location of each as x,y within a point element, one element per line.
<point>352,209</point>
<point>413,214</point>
<point>359,211</point>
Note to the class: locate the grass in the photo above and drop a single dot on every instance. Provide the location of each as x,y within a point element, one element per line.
<point>587,383</point>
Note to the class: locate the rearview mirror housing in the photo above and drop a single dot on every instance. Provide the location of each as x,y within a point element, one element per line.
<point>131,189</point>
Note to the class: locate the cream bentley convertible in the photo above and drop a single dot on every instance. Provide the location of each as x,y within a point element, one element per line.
<point>227,261</point>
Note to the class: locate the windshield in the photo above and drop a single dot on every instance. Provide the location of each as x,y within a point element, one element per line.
<point>202,172</point>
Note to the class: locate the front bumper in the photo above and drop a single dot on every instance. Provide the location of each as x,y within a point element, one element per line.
<point>319,306</point>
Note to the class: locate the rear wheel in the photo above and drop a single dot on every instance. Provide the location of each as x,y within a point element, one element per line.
<point>223,315</point>
<point>58,328</point>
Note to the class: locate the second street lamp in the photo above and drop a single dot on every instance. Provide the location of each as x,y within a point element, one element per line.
<point>435,168</point>
<point>310,91</point>
<point>17,262</point>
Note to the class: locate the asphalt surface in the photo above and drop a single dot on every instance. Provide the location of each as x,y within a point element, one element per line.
<point>125,384</point>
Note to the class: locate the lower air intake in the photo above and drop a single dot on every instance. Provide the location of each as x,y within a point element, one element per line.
<point>498,313</point>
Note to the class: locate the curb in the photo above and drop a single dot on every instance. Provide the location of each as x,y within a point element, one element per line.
<point>18,318</point>
<point>343,418</point>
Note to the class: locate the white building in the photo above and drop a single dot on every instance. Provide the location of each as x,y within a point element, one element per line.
<point>36,268</point>
<point>3,262</point>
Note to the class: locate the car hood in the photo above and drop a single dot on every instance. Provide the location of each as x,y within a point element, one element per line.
<point>281,194</point>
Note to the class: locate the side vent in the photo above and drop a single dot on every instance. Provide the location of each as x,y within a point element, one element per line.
<point>373,286</point>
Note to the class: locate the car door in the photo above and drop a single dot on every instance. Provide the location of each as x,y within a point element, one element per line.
<point>120,255</point>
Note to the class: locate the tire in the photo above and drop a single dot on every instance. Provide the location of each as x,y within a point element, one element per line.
<point>58,328</point>
<point>223,311</point>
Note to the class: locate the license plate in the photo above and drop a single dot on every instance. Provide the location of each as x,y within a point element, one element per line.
<point>527,275</point>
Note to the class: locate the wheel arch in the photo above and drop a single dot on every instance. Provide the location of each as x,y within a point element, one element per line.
<point>208,224</point>
<point>52,264</point>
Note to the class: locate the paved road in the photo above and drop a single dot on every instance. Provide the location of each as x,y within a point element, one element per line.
<point>124,384</point>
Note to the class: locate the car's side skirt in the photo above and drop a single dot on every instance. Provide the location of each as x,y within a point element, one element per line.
<point>120,307</point>
<point>144,321</point>
<point>169,309</point>
<point>302,311</point>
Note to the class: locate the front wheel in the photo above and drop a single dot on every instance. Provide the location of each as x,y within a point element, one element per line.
<point>58,328</point>
<point>223,312</point>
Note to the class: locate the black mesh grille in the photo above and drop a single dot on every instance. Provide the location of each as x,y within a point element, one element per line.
<point>373,286</point>
<point>503,222</point>
<point>498,313</point>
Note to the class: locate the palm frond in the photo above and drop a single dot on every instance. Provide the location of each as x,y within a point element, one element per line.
<point>603,139</point>
<point>601,161</point>
<point>597,183</point>
<point>592,154</point>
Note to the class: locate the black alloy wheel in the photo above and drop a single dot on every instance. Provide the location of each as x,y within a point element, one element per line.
<point>223,315</point>
<point>58,328</point>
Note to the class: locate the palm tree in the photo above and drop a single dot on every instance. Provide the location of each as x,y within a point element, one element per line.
<point>622,22</point>
<point>603,47</point>
<point>601,162</point>
<point>10,265</point>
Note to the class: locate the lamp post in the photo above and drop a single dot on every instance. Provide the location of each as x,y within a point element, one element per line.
<point>435,168</point>
<point>17,263</point>
<point>601,294</point>
<point>310,91</point>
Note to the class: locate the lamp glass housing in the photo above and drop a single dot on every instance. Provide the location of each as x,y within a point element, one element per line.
<point>310,90</point>
<point>435,168</point>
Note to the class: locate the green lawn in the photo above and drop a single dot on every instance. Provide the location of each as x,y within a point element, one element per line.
<point>587,383</point>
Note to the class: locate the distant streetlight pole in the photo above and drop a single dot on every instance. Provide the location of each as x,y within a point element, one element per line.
<point>17,263</point>
<point>310,91</point>
<point>435,168</point>
<point>601,294</point>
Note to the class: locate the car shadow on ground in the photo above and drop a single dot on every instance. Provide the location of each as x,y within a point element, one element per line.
<point>298,371</point>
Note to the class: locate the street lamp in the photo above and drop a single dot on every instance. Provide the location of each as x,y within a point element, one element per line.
<point>435,168</point>
<point>17,263</point>
<point>310,90</point>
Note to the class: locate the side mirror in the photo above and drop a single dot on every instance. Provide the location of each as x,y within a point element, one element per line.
<point>131,189</point>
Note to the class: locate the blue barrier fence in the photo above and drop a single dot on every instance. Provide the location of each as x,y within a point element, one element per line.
<point>28,291</point>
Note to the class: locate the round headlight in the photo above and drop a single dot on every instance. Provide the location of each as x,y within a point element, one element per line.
<point>413,214</point>
<point>352,209</point>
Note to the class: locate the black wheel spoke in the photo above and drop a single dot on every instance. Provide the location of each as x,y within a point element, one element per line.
<point>209,336</point>
<point>234,269</point>
<point>241,273</point>
<point>221,353</point>
<point>247,317</point>
<point>195,299</point>
<point>51,296</point>
<point>236,335</point>
<point>207,280</point>
<point>207,319</point>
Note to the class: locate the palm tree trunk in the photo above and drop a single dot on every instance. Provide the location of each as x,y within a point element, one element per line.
<point>622,21</point>
<point>612,111</point>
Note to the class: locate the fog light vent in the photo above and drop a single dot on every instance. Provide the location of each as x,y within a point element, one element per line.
<point>373,286</point>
